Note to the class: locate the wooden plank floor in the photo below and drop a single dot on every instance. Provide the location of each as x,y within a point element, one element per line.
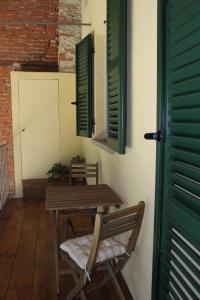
<point>27,258</point>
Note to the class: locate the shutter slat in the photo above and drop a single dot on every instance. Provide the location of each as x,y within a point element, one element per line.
<point>187,157</point>
<point>186,129</point>
<point>185,101</point>
<point>185,170</point>
<point>180,6</point>
<point>114,107</point>
<point>84,86</point>
<point>183,197</point>
<point>184,255</point>
<point>176,287</point>
<point>185,143</point>
<point>188,114</point>
<point>185,16</point>
<point>191,56</point>
<point>186,44</point>
<point>113,113</point>
<point>114,127</point>
<point>184,262</point>
<point>114,100</point>
<point>186,183</point>
<point>181,265</point>
<point>187,278</point>
<point>173,294</point>
<point>113,92</point>
<point>189,254</point>
<point>186,29</point>
<point>183,283</point>
<point>113,86</point>
<point>186,72</point>
<point>187,86</point>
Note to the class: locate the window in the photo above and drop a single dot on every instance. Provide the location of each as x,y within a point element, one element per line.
<point>111,106</point>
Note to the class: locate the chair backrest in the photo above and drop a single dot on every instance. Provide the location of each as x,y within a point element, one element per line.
<point>83,170</point>
<point>116,223</point>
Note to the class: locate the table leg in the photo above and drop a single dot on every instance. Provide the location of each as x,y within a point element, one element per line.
<point>56,248</point>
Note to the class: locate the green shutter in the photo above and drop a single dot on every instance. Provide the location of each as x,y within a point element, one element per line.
<point>116,64</point>
<point>84,86</point>
<point>179,274</point>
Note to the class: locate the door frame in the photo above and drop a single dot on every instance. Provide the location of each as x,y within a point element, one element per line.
<point>160,148</point>
<point>67,116</point>
<point>17,151</point>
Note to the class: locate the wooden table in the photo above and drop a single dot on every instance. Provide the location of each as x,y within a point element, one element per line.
<point>76,197</point>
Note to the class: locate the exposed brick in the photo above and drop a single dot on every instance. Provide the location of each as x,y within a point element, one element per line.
<point>69,35</point>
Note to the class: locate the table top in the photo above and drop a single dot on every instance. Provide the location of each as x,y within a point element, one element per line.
<point>84,196</point>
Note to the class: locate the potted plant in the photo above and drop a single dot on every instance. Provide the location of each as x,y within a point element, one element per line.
<point>78,160</point>
<point>58,172</point>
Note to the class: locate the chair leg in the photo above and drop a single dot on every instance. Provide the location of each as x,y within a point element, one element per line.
<point>107,277</point>
<point>78,289</point>
<point>100,285</point>
<point>56,247</point>
<point>115,282</point>
<point>69,224</point>
<point>77,280</point>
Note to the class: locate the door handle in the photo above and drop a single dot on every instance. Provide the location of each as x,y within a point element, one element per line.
<point>158,136</point>
<point>74,103</point>
<point>23,129</point>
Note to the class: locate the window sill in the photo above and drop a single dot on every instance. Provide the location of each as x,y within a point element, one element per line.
<point>102,143</point>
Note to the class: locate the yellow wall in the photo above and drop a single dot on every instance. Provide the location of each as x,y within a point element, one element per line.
<point>69,144</point>
<point>94,12</point>
<point>132,175</point>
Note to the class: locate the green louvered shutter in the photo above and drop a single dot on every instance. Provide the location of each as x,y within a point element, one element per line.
<point>84,86</point>
<point>116,69</point>
<point>180,251</point>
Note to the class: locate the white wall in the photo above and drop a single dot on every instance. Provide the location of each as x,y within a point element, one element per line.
<point>132,175</point>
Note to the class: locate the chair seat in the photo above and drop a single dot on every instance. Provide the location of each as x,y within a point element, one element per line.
<point>79,248</point>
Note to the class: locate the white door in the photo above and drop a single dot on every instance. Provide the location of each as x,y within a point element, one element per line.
<point>39,122</point>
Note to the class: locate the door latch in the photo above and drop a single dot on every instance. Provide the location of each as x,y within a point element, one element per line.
<point>158,136</point>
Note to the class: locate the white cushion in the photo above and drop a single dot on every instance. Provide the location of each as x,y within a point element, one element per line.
<point>79,248</point>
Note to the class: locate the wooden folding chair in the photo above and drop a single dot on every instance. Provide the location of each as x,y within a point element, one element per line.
<point>86,254</point>
<point>81,170</point>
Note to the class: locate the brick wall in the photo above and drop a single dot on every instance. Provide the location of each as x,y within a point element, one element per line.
<point>29,41</point>
<point>28,32</point>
